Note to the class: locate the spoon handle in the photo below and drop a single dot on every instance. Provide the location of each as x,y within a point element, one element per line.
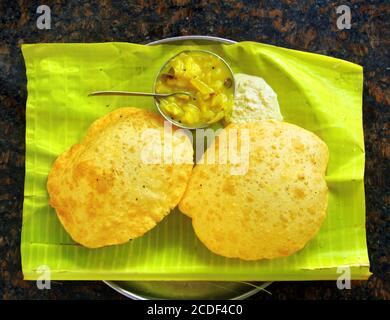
<point>126,93</point>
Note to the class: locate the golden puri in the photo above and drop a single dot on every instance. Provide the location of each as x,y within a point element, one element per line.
<point>102,189</point>
<point>273,209</point>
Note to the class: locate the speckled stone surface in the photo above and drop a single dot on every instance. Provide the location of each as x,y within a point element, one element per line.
<point>304,25</point>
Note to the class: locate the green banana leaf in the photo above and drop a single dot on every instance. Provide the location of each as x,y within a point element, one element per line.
<point>316,92</point>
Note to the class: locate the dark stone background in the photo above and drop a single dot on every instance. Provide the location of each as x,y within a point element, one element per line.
<point>304,25</point>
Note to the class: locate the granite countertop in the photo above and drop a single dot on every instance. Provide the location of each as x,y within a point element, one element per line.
<point>303,25</point>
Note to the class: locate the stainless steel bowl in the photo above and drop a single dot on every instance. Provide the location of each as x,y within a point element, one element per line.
<point>156,100</point>
<point>157,290</point>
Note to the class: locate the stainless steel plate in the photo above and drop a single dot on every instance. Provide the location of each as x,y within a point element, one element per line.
<point>187,290</point>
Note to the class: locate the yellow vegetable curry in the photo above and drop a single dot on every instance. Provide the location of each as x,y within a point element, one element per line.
<point>207,77</point>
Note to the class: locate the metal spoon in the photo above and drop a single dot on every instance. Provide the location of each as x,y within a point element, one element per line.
<point>143,94</point>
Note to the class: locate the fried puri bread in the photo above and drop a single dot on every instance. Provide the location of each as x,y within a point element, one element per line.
<point>105,192</point>
<point>275,207</point>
